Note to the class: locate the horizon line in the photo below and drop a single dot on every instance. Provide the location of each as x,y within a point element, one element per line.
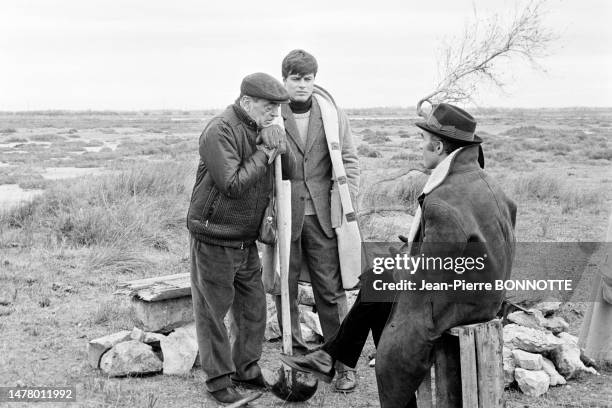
<point>408,108</point>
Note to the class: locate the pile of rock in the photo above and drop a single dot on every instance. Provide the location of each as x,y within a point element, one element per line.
<point>139,352</point>
<point>538,352</point>
<point>309,318</point>
<point>165,340</point>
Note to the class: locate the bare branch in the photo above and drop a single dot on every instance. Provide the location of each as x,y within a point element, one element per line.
<point>471,62</point>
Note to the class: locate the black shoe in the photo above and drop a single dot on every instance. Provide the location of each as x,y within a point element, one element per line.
<point>226,395</point>
<point>318,363</point>
<point>257,383</point>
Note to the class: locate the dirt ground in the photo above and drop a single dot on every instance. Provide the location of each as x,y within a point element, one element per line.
<point>555,163</point>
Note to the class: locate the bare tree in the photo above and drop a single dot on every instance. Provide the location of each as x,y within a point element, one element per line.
<point>472,61</point>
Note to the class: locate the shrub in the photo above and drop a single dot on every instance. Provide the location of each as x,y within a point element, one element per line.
<point>406,156</point>
<point>556,190</point>
<point>604,154</point>
<point>377,138</point>
<point>47,137</point>
<point>141,206</point>
<point>367,151</point>
<point>16,139</point>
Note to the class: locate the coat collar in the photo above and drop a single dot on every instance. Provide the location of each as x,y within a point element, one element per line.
<point>244,116</point>
<point>460,160</point>
<point>291,127</point>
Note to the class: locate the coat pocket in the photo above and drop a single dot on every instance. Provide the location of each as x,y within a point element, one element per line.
<point>210,206</point>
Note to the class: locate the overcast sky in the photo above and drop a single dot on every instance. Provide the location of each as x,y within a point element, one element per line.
<point>160,54</point>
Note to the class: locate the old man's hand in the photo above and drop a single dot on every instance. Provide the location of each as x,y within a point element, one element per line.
<point>273,137</point>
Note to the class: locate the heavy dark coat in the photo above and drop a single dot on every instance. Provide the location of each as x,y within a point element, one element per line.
<point>233,181</point>
<point>470,214</point>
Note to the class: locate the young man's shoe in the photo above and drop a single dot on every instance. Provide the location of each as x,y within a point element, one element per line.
<point>346,381</point>
<point>226,395</point>
<point>318,363</point>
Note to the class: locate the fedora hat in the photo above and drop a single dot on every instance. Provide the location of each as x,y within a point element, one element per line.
<point>451,123</point>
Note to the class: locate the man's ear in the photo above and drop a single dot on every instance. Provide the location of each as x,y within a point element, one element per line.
<point>246,102</point>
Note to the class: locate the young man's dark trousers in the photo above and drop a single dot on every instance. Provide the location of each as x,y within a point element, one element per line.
<point>224,279</point>
<point>320,253</point>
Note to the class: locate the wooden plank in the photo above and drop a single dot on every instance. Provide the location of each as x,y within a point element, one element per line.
<point>447,373</point>
<point>158,288</point>
<point>136,283</point>
<point>425,393</point>
<point>489,361</point>
<point>469,383</point>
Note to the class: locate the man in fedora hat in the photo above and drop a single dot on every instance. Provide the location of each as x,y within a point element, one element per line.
<point>231,192</point>
<point>462,214</point>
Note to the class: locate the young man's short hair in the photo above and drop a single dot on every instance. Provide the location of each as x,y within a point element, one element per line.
<point>299,62</point>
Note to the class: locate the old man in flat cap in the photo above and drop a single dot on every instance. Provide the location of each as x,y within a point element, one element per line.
<point>231,192</point>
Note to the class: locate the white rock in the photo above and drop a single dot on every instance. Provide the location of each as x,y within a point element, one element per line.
<point>526,360</point>
<point>568,338</point>
<point>151,338</point>
<point>273,330</point>
<point>553,374</point>
<point>305,308</point>
<point>547,308</point>
<point>180,349</point>
<point>163,315</point>
<point>567,360</point>
<point>532,383</point>
<point>97,347</point>
<point>533,319</point>
<point>130,357</point>
<point>309,335</point>
<point>305,295</point>
<point>555,324</point>
<point>311,320</point>
<point>528,339</point>
<point>137,334</point>
<point>509,366</point>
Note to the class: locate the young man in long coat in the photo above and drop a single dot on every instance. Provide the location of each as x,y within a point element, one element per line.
<point>315,202</point>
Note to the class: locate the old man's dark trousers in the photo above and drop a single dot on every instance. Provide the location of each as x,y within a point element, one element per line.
<point>224,279</point>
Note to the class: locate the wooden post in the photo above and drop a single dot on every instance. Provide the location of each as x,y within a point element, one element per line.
<point>447,373</point>
<point>469,384</point>
<point>490,367</point>
<point>425,393</point>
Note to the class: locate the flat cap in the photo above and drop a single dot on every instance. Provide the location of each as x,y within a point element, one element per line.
<point>261,85</point>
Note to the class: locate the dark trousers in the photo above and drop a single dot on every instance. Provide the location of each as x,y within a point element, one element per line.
<point>348,342</point>
<point>320,254</point>
<point>365,316</point>
<point>228,279</point>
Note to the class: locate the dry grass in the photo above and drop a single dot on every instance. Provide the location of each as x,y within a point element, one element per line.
<point>90,233</point>
<point>555,189</point>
